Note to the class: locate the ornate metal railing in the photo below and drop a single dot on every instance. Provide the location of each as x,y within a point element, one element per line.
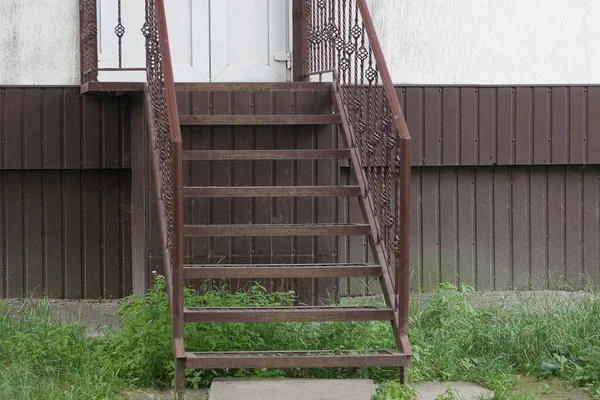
<point>88,41</point>
<point>165,150</point>
<point>341,45</point>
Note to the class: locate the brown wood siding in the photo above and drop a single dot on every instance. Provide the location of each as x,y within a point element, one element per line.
<point>65,234</point>
<point>524,125</point>
<point>501,228</point>
<point>57,128</point>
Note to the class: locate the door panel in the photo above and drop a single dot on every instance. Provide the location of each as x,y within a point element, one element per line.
<point>218,40</point>
<point>245,37</point>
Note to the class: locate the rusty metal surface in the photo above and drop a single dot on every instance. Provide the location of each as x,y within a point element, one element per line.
<point>500,228</point>
<point>65,234</point>
<point>287,314</point>
<point>296,359</point>
<point>502,125</point>
<point>56,128</point>
<point>258,271</point>
<point>229,120</point>
<point>270,168</point>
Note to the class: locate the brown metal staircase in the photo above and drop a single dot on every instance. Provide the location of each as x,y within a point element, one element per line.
<point>341,47</point>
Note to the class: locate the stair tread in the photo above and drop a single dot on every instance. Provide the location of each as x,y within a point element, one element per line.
<point>278,230</point>
<point>191,155</point>
<point>287,314</point>
<point>296,359</point>
<point>308,119</point>
<point>266,271</point>
<point>271,191</point>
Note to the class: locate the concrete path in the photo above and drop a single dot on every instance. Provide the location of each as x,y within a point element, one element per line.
<point>462,390</point>
<point>291,389</point>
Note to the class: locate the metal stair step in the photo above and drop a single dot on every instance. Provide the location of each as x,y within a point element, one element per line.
<point>271,191</point>
<point>277,230</point>
<point>267,271</point>
<point>197,155</point>
<point>297,359</point>
<point>287,314</point>
<point>318,119</point>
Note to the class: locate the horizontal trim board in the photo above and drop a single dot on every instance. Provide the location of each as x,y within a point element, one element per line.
<point>289,359</point>
<point>277,230</point>
<point>199,155</point>
<point>280,271</point>
<point>272,191</point>
<point>229,120</point>
<point>287,314</point>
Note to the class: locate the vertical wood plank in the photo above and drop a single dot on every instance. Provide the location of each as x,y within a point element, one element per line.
<point>53,128</point>
<point>416,247</point>
<point>92,127</point>
<point>72,134</point>
<point>283,174</point>
<point>14,128</point>
<point>524,126</point>
<point>432,132</point>
<point>198,250</point>
<point>111,133</point>
<point>591,224</point>
<point>32,209</point>
<point>487,126</point>
<point>264,138</point>
<point>449,224</point>
<point>556,228</point>
<point>539,227</point>
<point>92,234</point>
<point>243,139</point>
<point>577,125</point>
<point>414,121</point>
<point>484,191</point>
<point>305,206</point>
<point>72,214</point>
<point>125,247</point>
<point>111,241</point>
<point>3,232</point>
<point>53,235</point>
<point>469,146</point>
<point>506,126</point>
<point>431,226</point>
<point>14,203</point>
<point>541,125</point>
<point>560,126</point>
<point>221,176</point>
<point>502,229</point>
<point>593,126</point>
<point>466,227</point>
<point>32,128</point>
<point>521,228</point>
<point>574,227</point>
<point>450,126</point>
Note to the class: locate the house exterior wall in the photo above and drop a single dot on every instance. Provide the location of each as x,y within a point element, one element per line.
<point>464,42</point>
<point>425,42</point>
<point>40,42</point>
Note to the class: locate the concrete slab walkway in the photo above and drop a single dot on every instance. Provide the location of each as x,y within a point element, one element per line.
<point>291,389</point>
<point>462,390</point>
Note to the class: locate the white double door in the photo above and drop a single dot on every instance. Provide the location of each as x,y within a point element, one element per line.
<point>210,40</point>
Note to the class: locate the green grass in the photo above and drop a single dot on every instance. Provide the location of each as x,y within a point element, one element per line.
<point>451,340</point>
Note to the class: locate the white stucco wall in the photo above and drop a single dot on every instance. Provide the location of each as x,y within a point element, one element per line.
<point>39,42</point>
<point>425,41</point>
<point>490,41</point>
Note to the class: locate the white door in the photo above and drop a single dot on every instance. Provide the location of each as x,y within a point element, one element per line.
<point>249,40</point>
<point>210,40</point>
